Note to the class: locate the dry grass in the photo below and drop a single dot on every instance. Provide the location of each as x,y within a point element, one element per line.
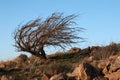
<point>105,52</point>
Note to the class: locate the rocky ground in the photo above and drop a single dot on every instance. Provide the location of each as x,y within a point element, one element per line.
<point>92,63</point>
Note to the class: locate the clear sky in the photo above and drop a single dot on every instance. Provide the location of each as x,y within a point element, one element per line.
<point>100,18</point>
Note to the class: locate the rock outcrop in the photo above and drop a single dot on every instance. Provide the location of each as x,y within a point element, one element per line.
<point>84,71</point>
<point>113,76</point>
<point>74,50</point>
<point>115,65</point>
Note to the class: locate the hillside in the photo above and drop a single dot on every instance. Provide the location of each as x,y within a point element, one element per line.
<point>92,63</point>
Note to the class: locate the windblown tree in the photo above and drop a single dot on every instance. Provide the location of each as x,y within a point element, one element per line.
<point>56,30</point>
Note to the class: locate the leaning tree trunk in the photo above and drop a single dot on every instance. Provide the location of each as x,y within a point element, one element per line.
<point>41,53</point>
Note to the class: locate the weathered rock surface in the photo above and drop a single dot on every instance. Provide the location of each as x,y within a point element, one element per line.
<point>2,65</point>
<point>74,50</point>
<point>84,71</point>
<point>21,58</point>
<point>103,63</point>
<point>45,76</point>
<point>113,76</point>
<point>115,65</point>
<point>59,77</point>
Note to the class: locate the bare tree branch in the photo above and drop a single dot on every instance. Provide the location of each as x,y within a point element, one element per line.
<point>53,31</point>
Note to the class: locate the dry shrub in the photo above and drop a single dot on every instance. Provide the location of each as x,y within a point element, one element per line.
<point>61,55</point>
<point>21,58</point>
<point>101,53</point>
<point>55,68</point>
<point>106,51</point>
<point>56,55</point>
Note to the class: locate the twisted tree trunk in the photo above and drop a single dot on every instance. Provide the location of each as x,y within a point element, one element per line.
<point>40,54</point>
<point>43,53</point>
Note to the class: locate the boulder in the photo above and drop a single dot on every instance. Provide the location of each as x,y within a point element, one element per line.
<point>85,71</point>
<point>74,50</point>
<point>103,63</point>
<point>113,76</point>
<point>89,59</point>
<point>21,58</point>
<point>115,65</point>
<point>105,71</point>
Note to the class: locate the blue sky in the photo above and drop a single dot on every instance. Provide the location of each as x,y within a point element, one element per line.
<point>100,18</point>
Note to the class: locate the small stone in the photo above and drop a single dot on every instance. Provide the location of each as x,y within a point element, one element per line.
<point>2,65</point>
<point>59,77</point>
<point>4,77</point>
<point>45,76</point>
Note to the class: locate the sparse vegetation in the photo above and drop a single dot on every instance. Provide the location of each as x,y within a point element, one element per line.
<point>28,68</point>
<point>105,52</point>
<point>58,67</point>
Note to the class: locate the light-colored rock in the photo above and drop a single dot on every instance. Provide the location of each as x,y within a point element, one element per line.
<point>74,50</point>
<point>113,76</point>
<point>78,70</point>
<point>71,76</point>
<point>115,65</point>
<point>89,59</point>
<point>45,76</point>
<point>59,77</point>
<point>4,77</point>
<point>105,71</point>
<point>2,65</point>
<point>84,72</point>
<point>103,63</point>
<point>113,57</point>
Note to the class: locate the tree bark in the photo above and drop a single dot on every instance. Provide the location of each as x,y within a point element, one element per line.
<point>40,54</point>
<point>43,54</point>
